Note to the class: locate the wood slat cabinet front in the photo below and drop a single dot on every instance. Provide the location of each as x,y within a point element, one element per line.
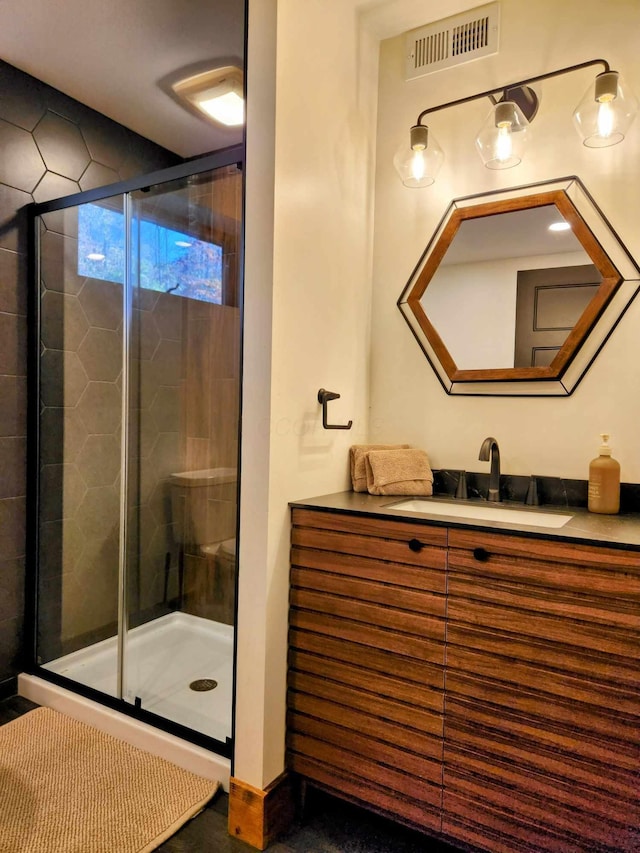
<point>484,687</point>
<point>366,661</point>
<point>542,723</point>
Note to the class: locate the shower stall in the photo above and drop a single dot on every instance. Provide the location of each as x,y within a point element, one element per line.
<point>134,430</point>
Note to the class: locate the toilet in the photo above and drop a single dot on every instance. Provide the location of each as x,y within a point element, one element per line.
<point>203,510</point>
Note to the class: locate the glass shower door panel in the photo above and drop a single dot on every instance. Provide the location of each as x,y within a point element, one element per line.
<point>81,290</point>
<point>183,449</point>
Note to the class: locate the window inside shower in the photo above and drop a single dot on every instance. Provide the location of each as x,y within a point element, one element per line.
<point>170,261</point>
<point>138,397</point>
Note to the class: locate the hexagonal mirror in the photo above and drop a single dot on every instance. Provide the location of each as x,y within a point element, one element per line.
<point>518,290</point>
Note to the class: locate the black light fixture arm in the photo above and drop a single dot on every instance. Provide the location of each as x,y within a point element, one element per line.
<point>492,92</point>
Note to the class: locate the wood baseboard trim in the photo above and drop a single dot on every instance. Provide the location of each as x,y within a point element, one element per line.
<point>258,816</point>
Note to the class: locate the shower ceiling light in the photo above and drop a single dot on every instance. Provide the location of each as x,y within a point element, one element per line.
<point>217,93</point>
<point>602,119</point>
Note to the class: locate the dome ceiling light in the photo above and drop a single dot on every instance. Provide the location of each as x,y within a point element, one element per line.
<point>218,94</point>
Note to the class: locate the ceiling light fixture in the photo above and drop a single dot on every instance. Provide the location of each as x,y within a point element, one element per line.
<point>217,93</point>
<point>602,118</point>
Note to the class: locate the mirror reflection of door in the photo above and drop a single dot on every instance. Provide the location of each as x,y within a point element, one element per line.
<point>549,302</point>
<point>471,299</point>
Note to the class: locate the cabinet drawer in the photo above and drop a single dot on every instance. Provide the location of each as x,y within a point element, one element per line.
<point>395,598</point>
<point>358,525</point>
<point>390,550</point>
<point>428,576</point>
<point>534,555</point>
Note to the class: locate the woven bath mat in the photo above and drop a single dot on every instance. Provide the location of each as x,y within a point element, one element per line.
<point>66,787</point>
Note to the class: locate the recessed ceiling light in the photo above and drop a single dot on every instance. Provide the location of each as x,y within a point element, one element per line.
<point>559,226</point>
<point>183,244</point>
<point>96,256</point>
<point>217,93</point>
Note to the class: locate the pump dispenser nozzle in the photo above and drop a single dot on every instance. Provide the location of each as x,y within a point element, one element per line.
<point>605,450</point>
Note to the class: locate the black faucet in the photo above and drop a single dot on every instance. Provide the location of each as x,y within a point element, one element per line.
<point>490,450</point>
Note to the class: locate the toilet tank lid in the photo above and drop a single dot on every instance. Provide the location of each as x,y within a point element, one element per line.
<point>204,477</point>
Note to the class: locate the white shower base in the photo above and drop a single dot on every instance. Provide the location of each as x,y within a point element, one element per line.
<point>161,660</point>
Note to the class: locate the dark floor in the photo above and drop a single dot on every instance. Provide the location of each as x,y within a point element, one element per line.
<point>330,826</point>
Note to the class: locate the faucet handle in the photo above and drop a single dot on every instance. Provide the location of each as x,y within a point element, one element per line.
<point>461,490</point>
<point>532,492</point>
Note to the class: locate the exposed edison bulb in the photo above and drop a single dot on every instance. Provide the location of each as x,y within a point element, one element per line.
<point>603,117</point>
<point>502,138</point>
<point>504,143</point>
<point>418,165</point>
<point>606,118</point>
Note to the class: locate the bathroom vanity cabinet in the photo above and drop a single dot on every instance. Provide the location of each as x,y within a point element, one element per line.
<point>478,685</point>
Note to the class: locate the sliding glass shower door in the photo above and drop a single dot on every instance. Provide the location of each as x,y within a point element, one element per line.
<point>139,368</point>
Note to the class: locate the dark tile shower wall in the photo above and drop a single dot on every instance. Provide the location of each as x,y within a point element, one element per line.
<point>50,145</point>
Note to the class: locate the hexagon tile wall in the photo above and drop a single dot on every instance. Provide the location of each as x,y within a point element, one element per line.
<point>50,146</point>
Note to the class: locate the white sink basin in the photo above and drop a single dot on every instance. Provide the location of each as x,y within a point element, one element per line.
<point>490,512</point>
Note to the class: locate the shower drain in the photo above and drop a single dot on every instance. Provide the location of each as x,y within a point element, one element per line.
<point>202,684</point>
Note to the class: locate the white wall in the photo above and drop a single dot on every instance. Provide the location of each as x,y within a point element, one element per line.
<point>312,80</point>
<point>543,436</point>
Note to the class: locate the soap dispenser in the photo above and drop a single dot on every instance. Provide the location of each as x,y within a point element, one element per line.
<point>604,481</point>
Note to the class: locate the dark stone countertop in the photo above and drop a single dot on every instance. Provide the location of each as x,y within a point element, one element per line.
<point>617,531</point>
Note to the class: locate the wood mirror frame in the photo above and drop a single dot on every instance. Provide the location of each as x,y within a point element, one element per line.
<point>620,280</point>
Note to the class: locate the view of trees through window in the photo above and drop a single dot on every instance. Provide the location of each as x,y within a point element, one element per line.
<point>168,261</point>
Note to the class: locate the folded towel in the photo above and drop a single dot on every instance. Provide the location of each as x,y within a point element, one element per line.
<point>398,472</point>
<point>357,454</point>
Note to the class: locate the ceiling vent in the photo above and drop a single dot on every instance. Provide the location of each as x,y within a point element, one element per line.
<point>453,40</point>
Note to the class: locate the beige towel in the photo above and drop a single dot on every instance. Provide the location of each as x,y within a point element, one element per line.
<point>398,472</point>
<point>357,455</point>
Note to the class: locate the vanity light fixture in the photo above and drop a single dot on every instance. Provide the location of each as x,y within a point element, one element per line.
<point>607,109</point>
<point>217,93</point>
<point>503,137</point>
<point>419,163</point>
<point>602,119</point>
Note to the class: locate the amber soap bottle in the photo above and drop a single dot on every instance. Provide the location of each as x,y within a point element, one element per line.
<point>604,481</point>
